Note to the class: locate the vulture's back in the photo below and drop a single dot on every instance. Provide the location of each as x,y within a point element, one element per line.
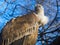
<point>21,31</point>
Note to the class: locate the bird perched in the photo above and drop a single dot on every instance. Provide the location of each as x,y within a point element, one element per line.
<point>24,30</point>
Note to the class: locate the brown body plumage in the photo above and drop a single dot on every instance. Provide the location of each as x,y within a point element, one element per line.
<point>16,29</point>
<point>23,30</point>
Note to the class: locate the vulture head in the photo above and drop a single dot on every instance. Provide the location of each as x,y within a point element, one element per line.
<point>40,14</point>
